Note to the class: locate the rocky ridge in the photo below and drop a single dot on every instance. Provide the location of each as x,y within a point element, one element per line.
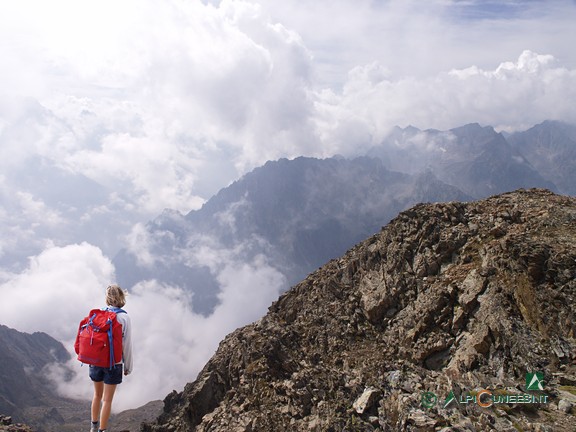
<point>448,300</point>
<point>7,425</point>
<point>26,394</point>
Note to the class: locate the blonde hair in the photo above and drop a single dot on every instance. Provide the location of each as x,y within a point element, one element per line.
<point>115,296</point>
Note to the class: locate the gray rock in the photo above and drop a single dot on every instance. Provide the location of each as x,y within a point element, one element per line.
<point>366,400</point>
<point>565,406</point>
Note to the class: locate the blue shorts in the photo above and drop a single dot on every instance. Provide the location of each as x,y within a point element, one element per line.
<point>109,376</point>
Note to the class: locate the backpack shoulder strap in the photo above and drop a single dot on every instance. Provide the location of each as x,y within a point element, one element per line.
<point>116,309</point>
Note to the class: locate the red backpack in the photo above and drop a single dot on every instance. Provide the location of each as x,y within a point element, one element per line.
<point>99,338</point>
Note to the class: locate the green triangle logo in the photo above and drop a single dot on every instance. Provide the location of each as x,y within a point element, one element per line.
<point>534,380</point>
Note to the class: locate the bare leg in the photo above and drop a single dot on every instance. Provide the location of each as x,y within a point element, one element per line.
<point>98,391</point>
<point>107,397</point>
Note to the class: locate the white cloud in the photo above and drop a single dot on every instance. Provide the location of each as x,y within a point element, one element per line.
<point>112,111</point>
<point>422,39</point>
<point>140,243</point>
<point>166,89</point>
<point>515,95</point>
<point>55,289</point>
<point>171,343</point>
<point>177,99</point>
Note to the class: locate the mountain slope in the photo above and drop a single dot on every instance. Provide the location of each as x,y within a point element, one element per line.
<point>477,160</point>
<point>551,149</point>
<point>28,393</point>
<point>25,391</point>
<point>455,297</point>
<point>292,216</point>
<point>297,214</point>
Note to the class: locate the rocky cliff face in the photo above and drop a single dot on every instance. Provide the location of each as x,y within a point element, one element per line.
<point>25,392</point>
<point>431,324</point>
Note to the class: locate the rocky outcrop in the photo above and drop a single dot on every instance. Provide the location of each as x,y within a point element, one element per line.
<point>431,324</point>
<point>24,359</point>
<point>7,425</point>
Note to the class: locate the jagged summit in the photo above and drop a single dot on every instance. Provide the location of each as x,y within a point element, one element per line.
<point>446,303</point>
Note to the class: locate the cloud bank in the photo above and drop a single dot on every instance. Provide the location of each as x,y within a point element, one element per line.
<point>171,343</point>
<point>111,112</point>
<point>513,96</point>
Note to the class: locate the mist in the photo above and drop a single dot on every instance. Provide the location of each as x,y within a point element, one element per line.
<point>112,112</point>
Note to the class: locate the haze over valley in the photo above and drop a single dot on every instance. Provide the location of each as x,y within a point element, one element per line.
<point>208,155</point>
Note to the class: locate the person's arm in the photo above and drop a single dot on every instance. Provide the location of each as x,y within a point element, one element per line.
<point>126,343</point>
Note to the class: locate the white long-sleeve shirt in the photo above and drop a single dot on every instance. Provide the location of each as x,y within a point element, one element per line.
<point>124,320</point>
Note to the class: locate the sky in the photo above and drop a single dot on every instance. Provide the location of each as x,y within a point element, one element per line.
<point>111,112</point>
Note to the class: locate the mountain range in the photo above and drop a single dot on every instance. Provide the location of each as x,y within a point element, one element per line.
<point>551,149</point>
<point>26,392</point>
<point>298,214</point>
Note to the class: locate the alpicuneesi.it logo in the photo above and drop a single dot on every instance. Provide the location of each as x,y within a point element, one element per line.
<point>534,381</point>
<point>486,398</point>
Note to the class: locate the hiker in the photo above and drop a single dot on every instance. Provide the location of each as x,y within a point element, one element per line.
<point>106,379</point>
